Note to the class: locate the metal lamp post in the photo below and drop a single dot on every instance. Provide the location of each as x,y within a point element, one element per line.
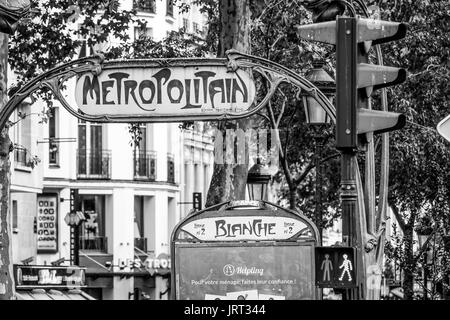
<point>257,181</point>
<point>422,239</point>
<point>318,118</point>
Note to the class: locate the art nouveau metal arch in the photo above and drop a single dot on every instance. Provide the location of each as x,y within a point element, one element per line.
<point>274,73</point>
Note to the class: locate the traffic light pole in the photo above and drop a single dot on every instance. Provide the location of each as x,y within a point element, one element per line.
<point>346,137</point>
<point>356,79</point>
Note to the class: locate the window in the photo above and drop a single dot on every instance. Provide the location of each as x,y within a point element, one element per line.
<point>23,145</point>
<point>87,49</point>
<point>143,32</point>
<point>196,27</point>
<point>140,242</point>
<point>93,161</point>
<point>15,224</point>
<point>169,11</point>
<point>53,149</point>
<point>186,25</point>
<point>92,230</point>
<point>145,5</point>
<point>170,169</point>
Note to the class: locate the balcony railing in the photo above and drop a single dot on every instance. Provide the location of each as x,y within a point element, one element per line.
<point>91,243</point>
<point>21,157</point>
<point>145,166</point>
<point>94,165</point>
<point>141,244</point>
<point>170,168</point>
<point>145,5</point>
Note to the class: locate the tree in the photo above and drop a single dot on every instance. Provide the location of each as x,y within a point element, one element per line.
<point>229,180</point>
<point>10,13</point>
<point>419,166</point>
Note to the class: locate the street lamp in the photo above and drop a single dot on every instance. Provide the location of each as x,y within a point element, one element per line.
<point>316,116</point>
<point>257,181</point>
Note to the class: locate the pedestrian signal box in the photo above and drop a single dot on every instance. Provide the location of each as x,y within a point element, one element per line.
<point>335,267</point>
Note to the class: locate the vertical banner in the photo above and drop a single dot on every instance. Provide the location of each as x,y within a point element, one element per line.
<point>47,223</point>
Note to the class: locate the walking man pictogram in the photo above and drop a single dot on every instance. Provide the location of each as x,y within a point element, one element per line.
<point>326,266</point>
<point>347,265</point>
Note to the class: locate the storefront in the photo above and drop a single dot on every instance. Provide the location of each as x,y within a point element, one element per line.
<point>144,278</point>
<point>50,283</point>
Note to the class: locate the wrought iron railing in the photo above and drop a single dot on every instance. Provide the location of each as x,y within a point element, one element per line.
<point>141,244</point>
<point>145,166</point>
<point>170,168</point>
<point>94,164</point>
<point>145,5</point>
<point>92,243</point>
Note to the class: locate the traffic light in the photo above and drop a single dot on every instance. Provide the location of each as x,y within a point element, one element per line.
<point>356,78</point>
<point>197,201</point>
<point>335,267</point>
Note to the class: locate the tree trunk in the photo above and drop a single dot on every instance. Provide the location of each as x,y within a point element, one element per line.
<point>6,272</point>
<point>408,270</point>
<point>229,179</point>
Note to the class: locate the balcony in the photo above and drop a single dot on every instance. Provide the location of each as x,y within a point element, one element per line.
<point>170,168</point>
<point>21,157</point>
<point>93,243</point>
<point>148,6</point>
<point>145,166</point>
<point>94,165</point>
<point>141,244</point>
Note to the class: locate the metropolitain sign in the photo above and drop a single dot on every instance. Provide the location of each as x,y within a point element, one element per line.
<point>166,90</point>
<point>138,89</point>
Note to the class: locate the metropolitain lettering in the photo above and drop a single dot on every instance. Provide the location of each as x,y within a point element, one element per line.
<point>121,89</point>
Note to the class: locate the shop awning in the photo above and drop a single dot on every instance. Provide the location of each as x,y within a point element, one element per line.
<point>41,294</point>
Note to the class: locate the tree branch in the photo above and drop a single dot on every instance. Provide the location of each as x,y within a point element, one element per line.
<point>283,160</point>
<point>312,166</point>
<point>398,217</point>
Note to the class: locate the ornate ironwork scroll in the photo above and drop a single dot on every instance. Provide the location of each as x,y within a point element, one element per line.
<point>94,66</point>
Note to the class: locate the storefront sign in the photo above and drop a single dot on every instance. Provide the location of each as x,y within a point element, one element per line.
<point>52,277</point>
<point>47,223</point>
<point>237,228</point>
<point>154,265</point>
<point>155,91</point>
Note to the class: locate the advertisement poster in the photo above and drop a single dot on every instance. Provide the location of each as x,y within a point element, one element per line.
<point>281,272</point>
<point>47,217</point>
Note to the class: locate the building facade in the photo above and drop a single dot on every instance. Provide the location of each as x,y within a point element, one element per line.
<point>131,196</point>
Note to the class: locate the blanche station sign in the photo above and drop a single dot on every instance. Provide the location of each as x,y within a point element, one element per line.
<point>238,228</point>
<point>140,89</point>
